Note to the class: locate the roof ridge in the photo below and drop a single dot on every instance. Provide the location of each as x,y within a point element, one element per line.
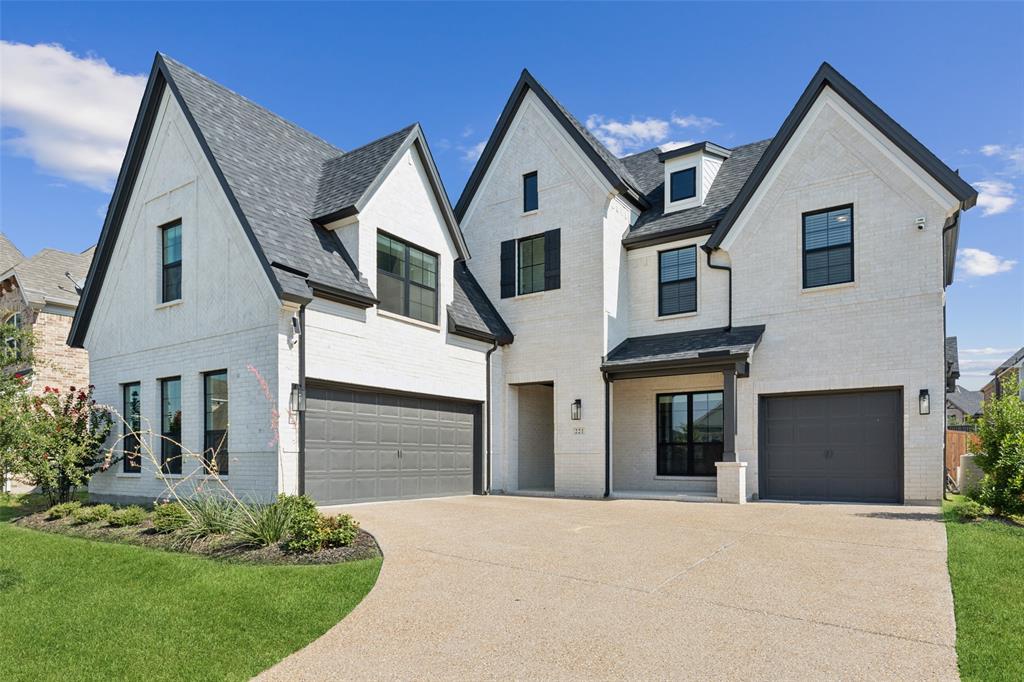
<point>386,136</point>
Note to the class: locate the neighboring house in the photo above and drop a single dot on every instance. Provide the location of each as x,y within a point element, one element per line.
<point>952,363</point>
<point>1003,374</point>
<point>709,322</point>
<point>305,313</point>
<point>962,405</point>
<point>9,254</point>
<point>40,294</point>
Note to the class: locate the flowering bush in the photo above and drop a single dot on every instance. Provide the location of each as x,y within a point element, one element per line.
<point>63,438</point>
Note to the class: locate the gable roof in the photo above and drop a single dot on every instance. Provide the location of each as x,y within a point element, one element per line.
<point>827,76</point>
<point>1012,361</point>
<point>278,178</point>
<point>611,167</point>
<point>42,280</point>
<point>9,254</point>
<point>968,402</point>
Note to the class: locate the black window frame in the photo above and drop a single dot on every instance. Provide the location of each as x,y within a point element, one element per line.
<point>660,446</point>
<point>528,194</point>
<point>542,238</point>
<point>170,440</point>
<point>692,171</point>
<point>406,279</point>
<point>661,285</point>
<point>172,266</point>
<point>803,246</point>
<point>215,441</point>
<point>131,447</point>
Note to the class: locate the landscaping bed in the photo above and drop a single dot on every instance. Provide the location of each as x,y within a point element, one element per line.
<point>215,546</point>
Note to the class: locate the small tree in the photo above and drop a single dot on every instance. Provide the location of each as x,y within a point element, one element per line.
<point>1001,440</point>
<point>15,354</point>
<point>64,437</point>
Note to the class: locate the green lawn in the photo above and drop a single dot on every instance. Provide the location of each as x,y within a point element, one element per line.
<point>986,566</point>
<point>85,610</point>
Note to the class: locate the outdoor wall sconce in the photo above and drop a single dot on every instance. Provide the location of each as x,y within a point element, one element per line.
<point>924,402</point>
<point>576,410</point>
<point>297,399</point>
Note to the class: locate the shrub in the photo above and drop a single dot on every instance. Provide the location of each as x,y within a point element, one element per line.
<point>62,510</point>
<point>969,509</point>
<point>209,515</point>
<point>92,513</point>
<point>128,516</point>
<point>311,531</point>
<point>1001,456</point>
<point>170,517</point>
<point>260,525</point>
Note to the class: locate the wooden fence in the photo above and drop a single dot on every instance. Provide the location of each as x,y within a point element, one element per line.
<point>958,443</point>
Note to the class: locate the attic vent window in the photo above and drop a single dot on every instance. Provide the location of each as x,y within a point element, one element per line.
<point>530,199</point>
<point>683,184</point>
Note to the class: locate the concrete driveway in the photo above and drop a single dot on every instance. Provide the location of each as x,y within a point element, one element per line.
<point>516,587</point>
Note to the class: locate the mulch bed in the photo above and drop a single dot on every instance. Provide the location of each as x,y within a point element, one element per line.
<point>216,547</point>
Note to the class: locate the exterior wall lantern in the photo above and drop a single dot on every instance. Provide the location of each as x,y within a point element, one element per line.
<point>576,410</point>
<point>924,402</point>
<point>297,399</point>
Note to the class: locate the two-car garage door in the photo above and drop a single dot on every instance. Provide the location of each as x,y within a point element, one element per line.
<point>844,446</point>
<point>363,445</point>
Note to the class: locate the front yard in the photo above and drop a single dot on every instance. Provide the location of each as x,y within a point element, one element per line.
<point>80,609</point>
<point>986,567</point>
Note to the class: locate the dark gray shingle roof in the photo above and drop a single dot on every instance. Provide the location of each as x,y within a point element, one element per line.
<point>649,171</point>
<point>683,346</point>
<point>345,179</point>
<point>1010,362</point>
<point>968,402</point>
<point>952,357</point>
<point>471,310</point>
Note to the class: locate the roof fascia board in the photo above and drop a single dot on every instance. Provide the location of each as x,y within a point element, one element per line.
<point>678,234</point>
<point>827,76</point>
<point>703,147</point>
<point>673,367</point>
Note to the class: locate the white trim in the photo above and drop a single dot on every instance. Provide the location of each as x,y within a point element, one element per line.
<point>387,314</point>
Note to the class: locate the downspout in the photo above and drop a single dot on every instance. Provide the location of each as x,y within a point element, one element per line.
<point>607,436</point>
<point>487,418</point>
<point>302,399</point>
<point>727,268</point>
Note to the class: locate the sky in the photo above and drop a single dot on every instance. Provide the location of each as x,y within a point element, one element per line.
<point>638,75</point>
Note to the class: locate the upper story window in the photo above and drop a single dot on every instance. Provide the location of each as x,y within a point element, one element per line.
<point>170,240</point>
<point>828,247</point>
<point>14,321</point>
<point>215,422</point>
<point>677,281</point>
<point>531,264</point>
<point>530,199</point>
<point>132,462</point>
<point>170,425</point>
<point>683,184</point>
<point>406,279</point>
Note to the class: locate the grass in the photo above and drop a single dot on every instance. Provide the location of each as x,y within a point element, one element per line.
<point>986,566</point>
<point>81,609</point>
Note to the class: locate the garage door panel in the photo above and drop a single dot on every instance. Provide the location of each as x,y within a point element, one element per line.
<point>352,449</point>
<point>832,446</point>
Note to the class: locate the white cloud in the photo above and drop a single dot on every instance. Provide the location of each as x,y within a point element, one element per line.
<point>73,115</point>
<point>473,153</point>
<point>701,123</point>
<point>991,149</point>
<point>995,196</point>
<point>978,263</point>
<point>987,351</point>
<point>622,138</point>
<point>1012,155</point>
<point>674,144</point>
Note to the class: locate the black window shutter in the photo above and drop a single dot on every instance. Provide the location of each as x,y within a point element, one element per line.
<point>508,268</point>
<point>552,259</point>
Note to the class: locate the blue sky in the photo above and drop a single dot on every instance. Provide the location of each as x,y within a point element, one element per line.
<point>641,75</point>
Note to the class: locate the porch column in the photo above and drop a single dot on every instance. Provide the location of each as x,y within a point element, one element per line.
<point>729,413</point>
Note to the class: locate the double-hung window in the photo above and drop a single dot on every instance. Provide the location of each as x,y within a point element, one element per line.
<point>170,247</point>
<point>531,264</point>
<point>170,425</point>
<point>132,462</point>
<point>530,198</point>
<point>215,422</point>
<point>406,279</point>
<point>691,433</point>
<point>828,247</point>
<point>677,281</point>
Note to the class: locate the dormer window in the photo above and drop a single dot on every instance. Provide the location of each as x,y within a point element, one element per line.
<point>683,184</point>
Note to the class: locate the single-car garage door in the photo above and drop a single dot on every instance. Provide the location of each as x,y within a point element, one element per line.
<point>832,446</point>
<point>363,445</point>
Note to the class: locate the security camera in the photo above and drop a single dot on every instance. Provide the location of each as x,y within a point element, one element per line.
<point>920,223</point>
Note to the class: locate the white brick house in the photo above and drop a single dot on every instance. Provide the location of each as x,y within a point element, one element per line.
<point>767,329</point>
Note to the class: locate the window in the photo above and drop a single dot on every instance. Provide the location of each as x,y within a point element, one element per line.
<point>132,462</point>
<point>215,422</point>
<point>170,237</point>
<point>691,433</point>
<point>14,321</point>
<point>530,199</point>
<point>170,425</point>
<point>828,247</point>
<point>531,264</point>
<point>677,281</point>
<point>406,279</point>
<point>683,184</point>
